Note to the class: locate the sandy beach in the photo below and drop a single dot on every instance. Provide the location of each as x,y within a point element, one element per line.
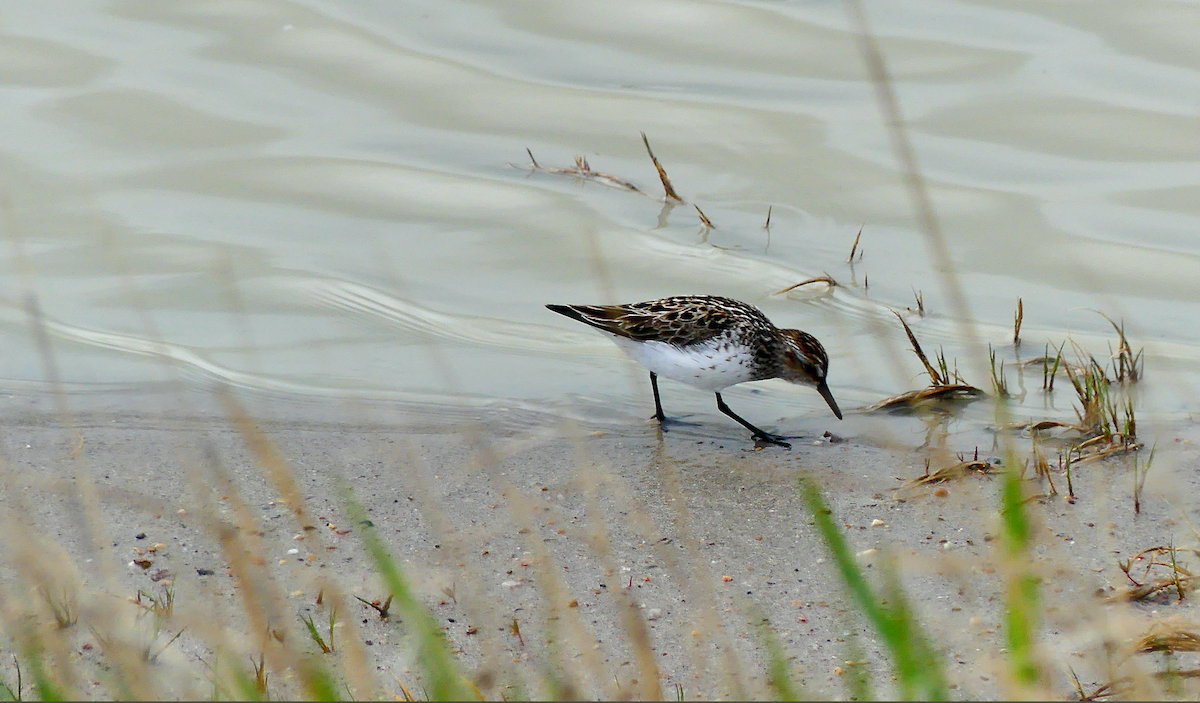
<point>568,532</point>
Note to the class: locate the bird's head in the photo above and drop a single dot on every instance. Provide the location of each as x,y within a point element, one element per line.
<point>805,361</point>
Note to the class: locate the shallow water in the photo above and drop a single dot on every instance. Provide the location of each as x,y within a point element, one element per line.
<point>315,200</point>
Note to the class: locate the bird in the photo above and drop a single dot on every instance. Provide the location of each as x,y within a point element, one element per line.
<point>712,343</point>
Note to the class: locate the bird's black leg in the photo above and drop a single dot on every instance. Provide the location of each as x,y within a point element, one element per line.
<point>658,413</point>
<point>759,434</point>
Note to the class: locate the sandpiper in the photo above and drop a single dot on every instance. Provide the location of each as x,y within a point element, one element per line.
<point>710,343</point>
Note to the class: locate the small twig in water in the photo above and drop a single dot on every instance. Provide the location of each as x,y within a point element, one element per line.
<point>819,279</point>
<point>662,173</point>
<point>1139,479</point>
<point>1067,467</point>
<point>855,247</point>
<point>1017,319</point>
<point>934,377</point>
<point>999,384</point>
<point>261,675</point>
<point>581,169</point>
<point>920,296</point>
<point>704,218</point>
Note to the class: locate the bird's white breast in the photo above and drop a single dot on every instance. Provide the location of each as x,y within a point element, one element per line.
<point>713,365</point>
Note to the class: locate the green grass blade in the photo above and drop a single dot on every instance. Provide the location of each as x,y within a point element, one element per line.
<point>918,668</point>
<point>47,689</point>
<point>779,673</point>
<point>858,677</point>
<point>433,652</point>
<point>242,684</point>
<point>320,685</point>
<point>314,633</point>
<point>1021,595</point>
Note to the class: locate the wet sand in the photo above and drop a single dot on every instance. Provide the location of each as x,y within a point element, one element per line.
<point>705,538</point>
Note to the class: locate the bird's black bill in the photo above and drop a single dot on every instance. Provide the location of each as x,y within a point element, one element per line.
<point>823,389</point>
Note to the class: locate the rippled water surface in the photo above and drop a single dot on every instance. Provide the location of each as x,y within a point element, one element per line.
<point>319,199</point>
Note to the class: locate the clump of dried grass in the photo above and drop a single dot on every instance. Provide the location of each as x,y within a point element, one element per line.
<point>952,472</point>
<point>929,398</point>
<point>946,386</point>
<point>583,170</point>
<point>1169,636</point>
<point>1105,413</point>
<point>1162,573</point>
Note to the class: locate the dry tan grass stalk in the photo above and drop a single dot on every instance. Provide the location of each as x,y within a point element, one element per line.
<point>699,590</point>
<point>1108,690</point>
<point>1164,636</point>
<point>662,173</point>
<point>1041,467</point>
<point>18,611</point>
<point>1043,425</point>
<point>52,644</point>
<point>1169,637</point>
<point>587,659</point>
<point>704,218</point>
<point>953,472</point>
<point>242,545</point>
<point>1179,579</point>
<point>914,181</point>
<point>632,621</point>
<point>825,278</point>
<point>1127,365</point>
<point>919,296</point>
<point>1103,447</point>
<point>934,376</point>
<point>928,398</point>
<point>284,479</point>
<point>558,595</point>
<point>245,556</point>
<point>471,596</point>
<point>1017,319</point>
<point>854,248</point>
<point>767,224</point>
<point>1039,360</point>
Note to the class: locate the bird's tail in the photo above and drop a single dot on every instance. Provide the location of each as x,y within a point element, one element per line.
<point>598,316</point>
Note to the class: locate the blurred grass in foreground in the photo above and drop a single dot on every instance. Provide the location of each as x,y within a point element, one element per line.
<point>917,666</point>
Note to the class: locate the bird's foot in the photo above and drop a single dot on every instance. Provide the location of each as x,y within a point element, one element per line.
<point>667,422</point>
<point>766,438</point>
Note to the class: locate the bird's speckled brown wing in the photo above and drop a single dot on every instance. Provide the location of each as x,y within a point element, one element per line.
<point>681,321</point>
